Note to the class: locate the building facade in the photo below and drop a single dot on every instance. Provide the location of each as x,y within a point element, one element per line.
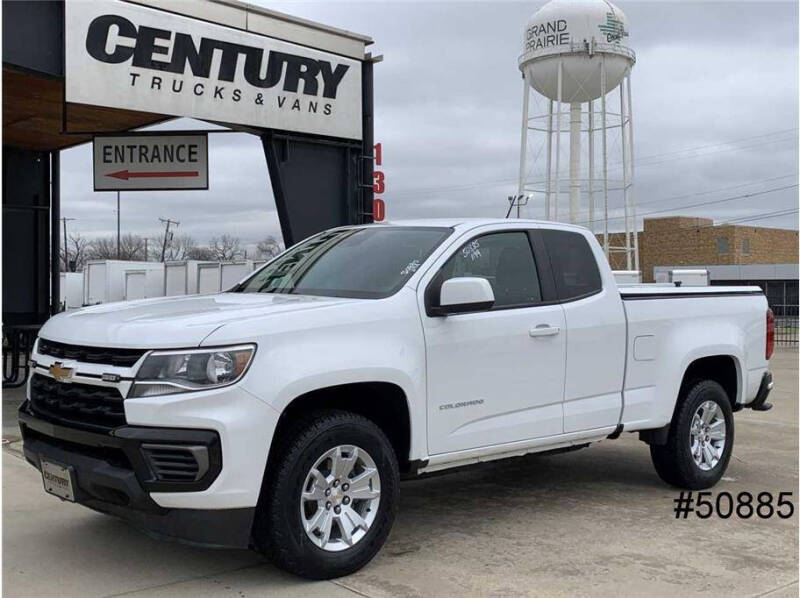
<point>732,254</point>
<point>683,242</point>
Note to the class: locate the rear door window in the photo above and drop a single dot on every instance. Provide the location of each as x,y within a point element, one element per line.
<point>574,265</point>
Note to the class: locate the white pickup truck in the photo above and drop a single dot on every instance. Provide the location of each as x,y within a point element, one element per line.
<point>281,415</point>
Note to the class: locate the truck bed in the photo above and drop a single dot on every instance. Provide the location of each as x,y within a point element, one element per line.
<point>671,291</point>
<point>665,336</point>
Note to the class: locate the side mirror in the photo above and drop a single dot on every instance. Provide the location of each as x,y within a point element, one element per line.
<point>465,294</point>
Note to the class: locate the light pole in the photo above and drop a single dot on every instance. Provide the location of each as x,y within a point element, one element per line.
<point>118,253</point>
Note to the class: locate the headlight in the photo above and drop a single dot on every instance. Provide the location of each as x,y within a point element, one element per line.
<point>169,372</point>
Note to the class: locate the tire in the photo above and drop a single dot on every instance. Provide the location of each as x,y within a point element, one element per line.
<point>279,531</point>
<point>674,461</point>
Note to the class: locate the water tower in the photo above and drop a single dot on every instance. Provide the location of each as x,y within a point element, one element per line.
<point>574,57</point>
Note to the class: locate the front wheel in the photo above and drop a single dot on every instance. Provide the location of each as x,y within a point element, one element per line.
<point>330,497</point>
<point>700,439</point>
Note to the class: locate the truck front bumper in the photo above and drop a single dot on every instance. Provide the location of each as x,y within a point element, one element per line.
<point>116,472</point>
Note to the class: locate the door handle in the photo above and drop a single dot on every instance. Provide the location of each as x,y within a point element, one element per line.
<point>544,330</point>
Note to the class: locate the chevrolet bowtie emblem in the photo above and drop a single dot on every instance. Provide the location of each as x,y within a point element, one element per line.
<point>59,372</point>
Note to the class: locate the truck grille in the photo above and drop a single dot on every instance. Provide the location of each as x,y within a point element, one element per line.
<point>81,405</point>
<point>118,357</point>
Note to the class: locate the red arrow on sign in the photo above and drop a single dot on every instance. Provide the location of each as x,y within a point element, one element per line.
<point>127,174</point>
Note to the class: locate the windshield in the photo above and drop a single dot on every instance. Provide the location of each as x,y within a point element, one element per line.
<point>364,263</point>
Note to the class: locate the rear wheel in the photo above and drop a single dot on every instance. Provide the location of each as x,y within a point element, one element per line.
<point>700,439</point>
<point>329,499</point>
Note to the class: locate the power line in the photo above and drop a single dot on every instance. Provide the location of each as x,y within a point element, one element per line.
<point>724,143</point>
<point>706,192</point>
<point>640,161</point>
<point>758,216</point>
<point>703,203</point>
<point>737,220</point>
<point>645,162</point>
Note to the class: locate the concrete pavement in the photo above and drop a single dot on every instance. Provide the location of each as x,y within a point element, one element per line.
<point>597,522</point>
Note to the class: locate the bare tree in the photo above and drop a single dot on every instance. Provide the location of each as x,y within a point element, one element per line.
<point>105,248</point>
<point>77,248</point>
<point>226,247</point>
<point>268,248</point>
<point>201,253</point>
<point>178,246</point>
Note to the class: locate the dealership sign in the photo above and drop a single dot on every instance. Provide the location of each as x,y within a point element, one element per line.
<point>122,55</point>
<point>137,162</point>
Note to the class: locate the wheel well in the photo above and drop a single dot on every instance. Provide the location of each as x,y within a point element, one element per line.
<point>381,402</point>
<point>720,368</point>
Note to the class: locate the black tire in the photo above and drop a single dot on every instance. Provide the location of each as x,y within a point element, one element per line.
<point>278,531</point>
<point>673,461</point>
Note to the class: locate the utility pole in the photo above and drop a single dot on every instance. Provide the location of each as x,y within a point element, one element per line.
<point>118,253</point>
<point>166,221</point>
<point>145,249</point>
<point>66,250</point>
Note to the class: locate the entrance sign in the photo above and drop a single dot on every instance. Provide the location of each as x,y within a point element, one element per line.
<point>141,161</point>
<point>123,55</point>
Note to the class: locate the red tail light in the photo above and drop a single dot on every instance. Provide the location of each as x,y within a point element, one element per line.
<point>770,333</point>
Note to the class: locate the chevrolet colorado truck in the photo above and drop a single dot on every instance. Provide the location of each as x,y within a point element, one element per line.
<point>280,415</point>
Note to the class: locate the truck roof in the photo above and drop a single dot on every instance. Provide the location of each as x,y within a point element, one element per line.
<point>472,222</point>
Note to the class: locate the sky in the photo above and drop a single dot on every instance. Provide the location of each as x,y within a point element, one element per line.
<point>715,101</point>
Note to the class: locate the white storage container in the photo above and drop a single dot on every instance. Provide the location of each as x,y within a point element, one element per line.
<point>232,272</point>
<point>623,277</point>
<point>180,278</point>
<point>135,284</point>
<point>689,278</point>
<point>107,280</point>
<point>208,277</point>
<point>71,290</point>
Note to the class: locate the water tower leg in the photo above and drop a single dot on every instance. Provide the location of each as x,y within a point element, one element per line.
<point>605,154</point>
<point>548,176</point>
<point>558,140</point>
<point>523,145</point>
<point>633,197</point>
<point>574,160</point>
<point>625,211</point>
<point>591,165</point>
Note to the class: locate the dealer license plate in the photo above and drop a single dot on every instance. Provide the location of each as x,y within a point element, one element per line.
<point>57,479</point>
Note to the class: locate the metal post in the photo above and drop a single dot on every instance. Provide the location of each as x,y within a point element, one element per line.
<point>591,166</point>
<point>367,195</point>
<point>548,181</point>
<point>118,253</point>
<point>55,245</point>
<point>558,141</point>
<point>633,198</point>
<point>523,144</point>
<point>575,125</point>
<point>622,125</point>
<point>605,155</point>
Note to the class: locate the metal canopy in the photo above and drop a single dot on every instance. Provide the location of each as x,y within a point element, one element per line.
<point>38,123</point>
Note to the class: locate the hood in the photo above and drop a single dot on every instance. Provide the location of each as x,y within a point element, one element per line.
<point>171,322</point>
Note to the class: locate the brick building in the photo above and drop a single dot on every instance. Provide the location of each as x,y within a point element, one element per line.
<point>732,254</point>
<point>683,241</point>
